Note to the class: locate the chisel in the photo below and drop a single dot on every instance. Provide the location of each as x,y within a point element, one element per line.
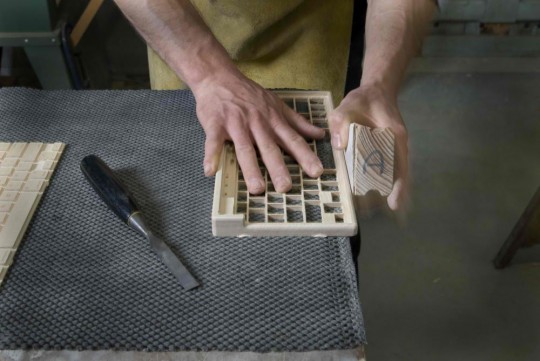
<point>116,196</point>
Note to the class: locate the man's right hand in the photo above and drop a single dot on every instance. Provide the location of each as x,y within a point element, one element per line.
<point>232,107</point>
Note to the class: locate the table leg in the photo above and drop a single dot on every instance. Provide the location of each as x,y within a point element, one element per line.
<point>526,232</point>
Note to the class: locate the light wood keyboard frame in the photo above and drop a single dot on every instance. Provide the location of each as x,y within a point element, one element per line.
<point>314,207</point>
<point>25,171</point>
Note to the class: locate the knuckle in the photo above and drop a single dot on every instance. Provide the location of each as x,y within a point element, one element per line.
<point>337,118</point>
<point>276,122</point>
<point>214,135</point>
<point>243,147</point>
<point>296,139</point>
<point>269,149</point>
<point>400,132</point>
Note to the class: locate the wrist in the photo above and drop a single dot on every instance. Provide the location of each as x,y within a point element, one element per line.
<point>375,90</point>
<point>220,77</point>
<point>384,74</point>
<point>206,62</point>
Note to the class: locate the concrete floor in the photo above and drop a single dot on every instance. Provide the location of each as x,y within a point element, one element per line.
<point>429,290</point>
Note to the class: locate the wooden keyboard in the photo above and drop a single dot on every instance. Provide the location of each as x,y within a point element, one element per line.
<point>25,170</point>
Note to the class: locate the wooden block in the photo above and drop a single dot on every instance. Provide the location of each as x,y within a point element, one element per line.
<point>370,160</point>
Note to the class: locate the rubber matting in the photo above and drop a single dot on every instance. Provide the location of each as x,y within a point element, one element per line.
<point>83,280</point>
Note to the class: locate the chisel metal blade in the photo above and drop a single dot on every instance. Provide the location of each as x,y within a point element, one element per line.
<point>117,197</point>
<point>186,280</point>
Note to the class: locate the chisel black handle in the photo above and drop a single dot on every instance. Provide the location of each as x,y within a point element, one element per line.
<point>109,188</point>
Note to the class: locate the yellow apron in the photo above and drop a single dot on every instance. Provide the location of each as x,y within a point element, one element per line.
<point>296,44</point>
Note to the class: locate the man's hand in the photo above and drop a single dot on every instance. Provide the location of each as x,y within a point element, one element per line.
<point>229,105</point>
<point>394,33</point>
<point>370,106</point>
<point>232,107</point>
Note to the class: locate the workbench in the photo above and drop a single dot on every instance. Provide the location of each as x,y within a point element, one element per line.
<point>85,286</point>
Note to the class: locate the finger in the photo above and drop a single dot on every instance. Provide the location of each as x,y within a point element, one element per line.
<point>296,146</point>
<point>272,158</point>
<point>399,206</point>
<point>247,159</point>
<point>212,151</point>
<point>398,198</point>
<point>339,128</point>
<point>302,125</point>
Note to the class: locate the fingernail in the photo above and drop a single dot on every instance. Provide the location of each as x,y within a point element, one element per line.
<point>283,183</point>
<point>257,185</point>
<point>336,141</point>
<point>207,169</point>
<point>316,169</point>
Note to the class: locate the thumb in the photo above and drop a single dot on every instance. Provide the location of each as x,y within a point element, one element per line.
<point>339,128</point>
<point>212,152</point>
<point>399,197</point>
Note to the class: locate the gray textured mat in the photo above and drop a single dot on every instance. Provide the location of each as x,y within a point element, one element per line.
<point>83,280</point>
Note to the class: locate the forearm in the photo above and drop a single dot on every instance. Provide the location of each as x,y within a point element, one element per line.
<point>175,30</point>
<point>394,34</point>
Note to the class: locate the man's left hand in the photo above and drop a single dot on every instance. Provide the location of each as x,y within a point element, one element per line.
<point>373,107</point>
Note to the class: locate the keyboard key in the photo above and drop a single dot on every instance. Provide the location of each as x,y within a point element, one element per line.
<point>13,185</point>
<point>5,171</point>
<point>55,147</point>
<point>9,163</point>
<point>8,196</point>
<point>31,152</point>
<point>19,176</point>
<point>5,206</point>
<point>47,165</point>
<point>39,174</point>
<point>48,156</point>
<point>25,166</point>
<point>16,150</point>
<point>15,226</point>
<point>34,185</point>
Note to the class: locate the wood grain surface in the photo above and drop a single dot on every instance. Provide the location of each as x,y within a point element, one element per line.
<point>373,164</point>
